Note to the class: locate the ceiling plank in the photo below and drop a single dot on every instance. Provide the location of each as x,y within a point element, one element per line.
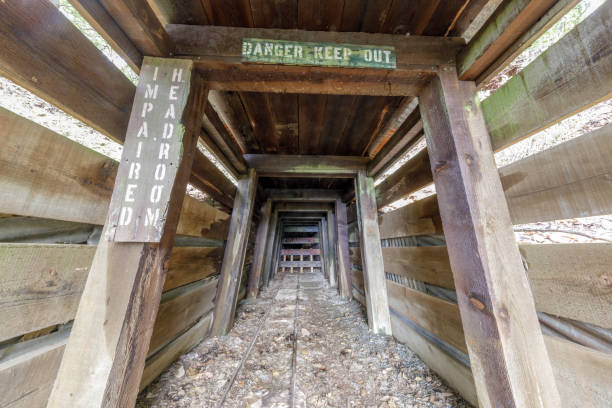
<point>506,25</point>
<point>137,19</point>
<point>217,51</point>
<point>305,166</point>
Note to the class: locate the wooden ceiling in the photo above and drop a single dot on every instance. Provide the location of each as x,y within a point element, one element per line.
<point>312,124</point>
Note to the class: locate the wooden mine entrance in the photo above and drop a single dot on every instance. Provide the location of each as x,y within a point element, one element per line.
<point>469,196</point>
<point>324,112</point>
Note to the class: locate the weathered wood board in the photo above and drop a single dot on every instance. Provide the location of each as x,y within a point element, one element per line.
<point>374,274</point>
<point>47,175</point>
<point>269,51</point>
<point>151,154</point>
<point>122,293</point>
<point>503,335</point>
<point>570,76</point>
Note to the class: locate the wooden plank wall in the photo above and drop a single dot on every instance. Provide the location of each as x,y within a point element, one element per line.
<point>568,281</point>
<point>48,176</point>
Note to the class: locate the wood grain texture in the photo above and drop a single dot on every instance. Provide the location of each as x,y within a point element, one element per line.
<point>270,245</point>
<point>544,23</point>
<point>566,181</point>
<point>504,340</point>
<point>138,20</point>
<point>234,256</point>
<point>179,309</point>
<point>40,285</point>
<point>455,374</point>
<point>567,280</point>
<point>374,274</point>
<point>104,24</point>
<point>260,247</point>
<point>27,376</point>
<point>413,175</point>
<point>47,175</point>
<point>218,50</point>
<point>508,22</point>
<point>189,264</point>
<point>570,76</point>
<point>161,360</point>
<point>582,374</point>
<point>331,249</point>
<point>51,278</point>
<point>342,249</point>
<point>71,74</point>
<point>305,166</point>
<point>419,218</point>
<point>435,315</point>
<point>121,298</point>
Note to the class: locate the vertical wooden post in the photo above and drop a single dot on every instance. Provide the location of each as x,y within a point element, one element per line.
<point>259,252</point>
<point>507,352</point>
<point>342,249</point>
<point>235,252</point>
<point>322,249</point>
<point>375,283</point>
<point>104,359</point>
<point>278,244</point>
<point>331,243</point>
<point>270,239</point>
<point>324,244</point>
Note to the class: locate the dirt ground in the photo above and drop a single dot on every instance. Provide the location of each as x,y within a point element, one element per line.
<point>318,354</point>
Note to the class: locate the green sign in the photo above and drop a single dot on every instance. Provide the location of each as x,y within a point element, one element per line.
<point>317,54</point>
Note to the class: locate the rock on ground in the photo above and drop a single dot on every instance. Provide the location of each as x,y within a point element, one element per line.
<point>299,345</point>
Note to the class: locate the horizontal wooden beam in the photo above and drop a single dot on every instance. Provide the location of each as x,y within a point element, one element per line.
<point>455,373</point>
<point>27,377</point>
<point>137,19</point>
<point>217,52</point>
<point>419,218</point>
<point>305,166</point>
<point>71,74</point>
<point>413,175</point>
<point>301,240</point>
<point>297,228</point>
<point>301,251</point>
<point>544,23</point>
<point>510,20</point>
<point>301,208</point>
<point>565,278</point>
<point>299,264</point>
<point>305,194</point>
<point>105,25</point>
<point>405,137</point>
<point>51,279</point>
<point>74,75</point>
<point>582,374</point>
<point>566,181</point>
<point>47,175</point>
<point>570,76</point>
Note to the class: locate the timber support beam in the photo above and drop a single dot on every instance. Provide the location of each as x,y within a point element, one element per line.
<point>260,248</point>
<point>508,357</point>
<point>377,304</point>
<point>235,253</point>
<point>104,359</point>
<point>342,251</point>
<point>218,53</point>
<point>284,165</point>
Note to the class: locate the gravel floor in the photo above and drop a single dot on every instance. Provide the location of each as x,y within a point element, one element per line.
<point>318,354</point>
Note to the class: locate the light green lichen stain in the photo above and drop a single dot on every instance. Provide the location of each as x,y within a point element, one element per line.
<point>317,54</point>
